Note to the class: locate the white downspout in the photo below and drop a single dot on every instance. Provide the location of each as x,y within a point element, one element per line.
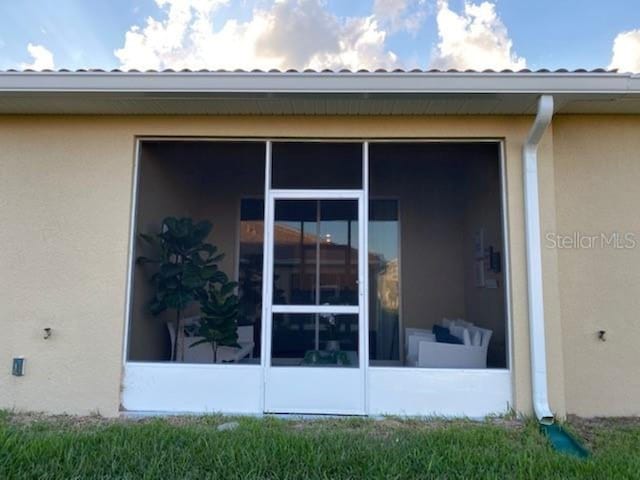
<point>534,260</point>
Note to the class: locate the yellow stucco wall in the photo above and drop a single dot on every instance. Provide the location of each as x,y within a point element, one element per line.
<point>597,169</point>
<point>65,201</point>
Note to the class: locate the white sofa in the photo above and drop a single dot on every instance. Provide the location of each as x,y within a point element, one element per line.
<point>424,351</point>
<point>412,338</point>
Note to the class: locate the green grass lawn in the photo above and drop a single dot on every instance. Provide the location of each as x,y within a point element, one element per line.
<point>192,447</point>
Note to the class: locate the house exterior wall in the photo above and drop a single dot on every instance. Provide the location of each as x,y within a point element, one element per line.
<point>65,192</point>
<point>597,172</point>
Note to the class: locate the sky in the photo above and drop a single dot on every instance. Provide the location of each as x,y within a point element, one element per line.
<point>319,34</point>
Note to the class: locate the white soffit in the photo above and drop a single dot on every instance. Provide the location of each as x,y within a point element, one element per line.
<point>315,93</point>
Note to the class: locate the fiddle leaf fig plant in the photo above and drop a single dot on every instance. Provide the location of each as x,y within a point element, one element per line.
<point>184,268</point>
<point>220,309</point>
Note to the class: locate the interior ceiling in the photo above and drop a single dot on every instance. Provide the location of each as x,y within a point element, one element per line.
<point>307,104</point>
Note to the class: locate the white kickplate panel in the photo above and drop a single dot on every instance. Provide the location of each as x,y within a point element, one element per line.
<point>314,390</point>
<point>192,388</point>
<point>442,392</point>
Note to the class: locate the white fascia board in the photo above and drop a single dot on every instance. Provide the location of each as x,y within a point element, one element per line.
<point>318,83</point>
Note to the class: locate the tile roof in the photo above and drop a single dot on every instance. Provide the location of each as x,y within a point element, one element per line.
<point>328,71</point>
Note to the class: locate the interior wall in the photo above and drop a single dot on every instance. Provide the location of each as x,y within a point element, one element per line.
<point>432,279</point>
<point>485,306</point>
<point>201,180</point>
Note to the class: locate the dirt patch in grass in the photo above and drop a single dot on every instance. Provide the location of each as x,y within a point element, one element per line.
<point>293,422</point>
<point>26,419</point>
<point>585,428</point>
<point>588,429</point>
<point>382,426</point>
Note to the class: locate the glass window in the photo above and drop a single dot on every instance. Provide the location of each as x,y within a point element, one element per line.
<point>315,252</point>
<point>384,280</point>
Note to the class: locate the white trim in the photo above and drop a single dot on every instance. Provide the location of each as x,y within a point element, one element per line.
<point>335,309</point>
<point>267,281</point>
<point>315,139</point>
<point>131,251</point>
<point>315,194</point>
<point>177,85</point>
<point>506,257</point>
<point>363,267</point>
<point>364,262</point>
<point>265,337</point>
<point>206,366</point>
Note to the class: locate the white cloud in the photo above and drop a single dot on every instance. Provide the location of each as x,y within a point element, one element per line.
<point>475,39</point>
<point>42,58</point>
<point>289,34</point>
<point>401,15</point>
<point>626,52</point>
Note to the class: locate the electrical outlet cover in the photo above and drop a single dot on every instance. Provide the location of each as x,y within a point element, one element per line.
<point>18,367</point>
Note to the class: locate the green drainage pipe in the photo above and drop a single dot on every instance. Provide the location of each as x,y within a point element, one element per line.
<point>562,441</point>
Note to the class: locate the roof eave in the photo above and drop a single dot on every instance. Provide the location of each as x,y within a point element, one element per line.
<point>321,82</point>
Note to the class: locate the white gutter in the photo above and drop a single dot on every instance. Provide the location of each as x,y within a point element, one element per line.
<point>534,260</point>
<point>615,84</point>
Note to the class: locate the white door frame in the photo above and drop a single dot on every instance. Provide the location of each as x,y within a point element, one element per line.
<point>314,390</point>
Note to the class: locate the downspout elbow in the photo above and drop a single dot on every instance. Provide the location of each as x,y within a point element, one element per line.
<point>534,260</point>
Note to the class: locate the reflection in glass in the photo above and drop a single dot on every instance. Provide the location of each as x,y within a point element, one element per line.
<point>315,252</point>
<point>384,283</point>
<point>338,242</point>
<point>294,252</point>
<point>310,339</point>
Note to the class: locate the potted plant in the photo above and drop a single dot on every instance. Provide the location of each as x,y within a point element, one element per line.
<point>184,267</point>
<point>333,344</point>
<point>220,309</point>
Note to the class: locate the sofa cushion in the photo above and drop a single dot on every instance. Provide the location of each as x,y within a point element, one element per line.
<point>462,333</point>
<point>443,335</point>
<point>476,338</point>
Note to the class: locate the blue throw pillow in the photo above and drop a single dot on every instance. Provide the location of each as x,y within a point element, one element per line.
<point>443,335</point>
